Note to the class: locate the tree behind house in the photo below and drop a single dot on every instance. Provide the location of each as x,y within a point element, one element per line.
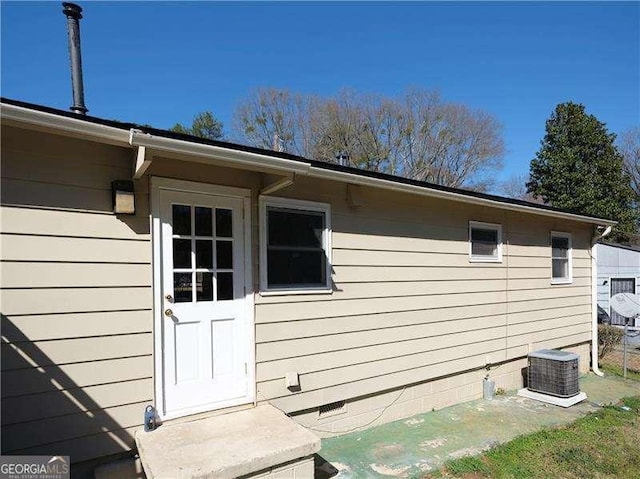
<point>416,135</point>
<point>579,169</point>
<point>204,125</point>
<point>629,146</point>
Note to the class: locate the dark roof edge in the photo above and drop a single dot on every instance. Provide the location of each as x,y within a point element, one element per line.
<point>288,156</point>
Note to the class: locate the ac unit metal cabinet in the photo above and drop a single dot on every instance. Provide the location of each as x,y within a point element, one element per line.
<point>553,372</point>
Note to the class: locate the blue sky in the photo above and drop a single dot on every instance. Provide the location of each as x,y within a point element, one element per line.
<point>162,62</point>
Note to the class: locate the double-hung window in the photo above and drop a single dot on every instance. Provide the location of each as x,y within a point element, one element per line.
<point>485,242</point>
<point>295,251</point>
<point>561,258</point>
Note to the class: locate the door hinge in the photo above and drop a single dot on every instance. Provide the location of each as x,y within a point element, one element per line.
<point>246,369</point>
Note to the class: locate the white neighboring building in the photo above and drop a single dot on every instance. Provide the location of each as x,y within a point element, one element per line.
<point>618,272</point>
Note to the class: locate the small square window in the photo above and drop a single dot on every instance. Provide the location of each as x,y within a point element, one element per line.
<point>561,258</point>
<point>294,250</point>
<point>485,242</point>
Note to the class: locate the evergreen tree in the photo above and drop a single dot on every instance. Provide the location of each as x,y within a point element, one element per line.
<point>204,125</point>
<point>579,169</point>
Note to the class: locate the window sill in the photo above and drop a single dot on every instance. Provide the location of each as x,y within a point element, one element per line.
<point>286,292</point>
<point>562,281</point>
<point>484,260</point>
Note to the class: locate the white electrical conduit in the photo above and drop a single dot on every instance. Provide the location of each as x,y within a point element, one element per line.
<point>594,300</point>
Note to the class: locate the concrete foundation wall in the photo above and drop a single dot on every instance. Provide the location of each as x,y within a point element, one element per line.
<point>427,396</point>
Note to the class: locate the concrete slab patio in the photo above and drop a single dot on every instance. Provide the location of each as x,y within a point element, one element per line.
<point>412,447</point>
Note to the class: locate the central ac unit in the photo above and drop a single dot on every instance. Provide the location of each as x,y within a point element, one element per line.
<point>553,372</point>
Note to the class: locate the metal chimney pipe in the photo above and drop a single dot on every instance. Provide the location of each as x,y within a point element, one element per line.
<point>73,13</point>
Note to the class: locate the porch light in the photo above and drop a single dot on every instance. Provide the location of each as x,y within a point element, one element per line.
<point>123,197</point>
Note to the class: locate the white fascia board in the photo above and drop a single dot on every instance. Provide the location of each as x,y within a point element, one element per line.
<point>74,126</point>
<point>138,138</point>
<point>449,195</point>
<point>245,158</point>
<point>87,129</point>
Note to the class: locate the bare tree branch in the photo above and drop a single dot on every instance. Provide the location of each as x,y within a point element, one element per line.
<point>417,135</point>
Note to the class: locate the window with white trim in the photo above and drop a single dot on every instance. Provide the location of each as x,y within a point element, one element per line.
<point>295,251</point>
<point>485,242</point>
<point>561,264</point>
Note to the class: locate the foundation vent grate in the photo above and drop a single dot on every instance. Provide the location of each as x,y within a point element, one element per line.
<point>332,409</point>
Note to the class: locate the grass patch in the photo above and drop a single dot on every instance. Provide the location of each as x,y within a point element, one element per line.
<point>603,444</point>
<point>616,370</point>
<point>468,465</point>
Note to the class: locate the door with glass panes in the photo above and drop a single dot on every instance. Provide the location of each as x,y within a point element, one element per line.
<point>203,318</point>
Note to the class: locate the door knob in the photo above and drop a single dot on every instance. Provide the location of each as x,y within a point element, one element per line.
<point>169,298</point>
<point>168,312</point>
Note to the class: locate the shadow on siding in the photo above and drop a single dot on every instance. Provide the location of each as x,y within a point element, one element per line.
<point>45,412</point>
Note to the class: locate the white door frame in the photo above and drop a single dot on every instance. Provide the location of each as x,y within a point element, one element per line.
<point>158,184</point>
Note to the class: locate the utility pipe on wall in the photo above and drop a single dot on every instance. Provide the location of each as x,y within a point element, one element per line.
<point>594,300</point>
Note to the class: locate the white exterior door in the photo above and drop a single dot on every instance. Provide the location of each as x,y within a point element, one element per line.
<point>205,334</point>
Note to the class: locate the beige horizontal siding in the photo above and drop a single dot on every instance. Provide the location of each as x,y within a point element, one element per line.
<point>553,303</point>
<point>384,289</point>
<point>22,274</point>
<point>74,300</point>
<point>408,305</point>
<point>36,221</point>
<point>27,354</point>
<point>69,376</point>
<point>77,367</point>
<point>348,307</point>
<point>342,257</point>
<point>45,196</point>
<point>351,341</point>
<point>558,321</point>
<point>312,397</point>
<point>54,429</point>
<point>540,336</point>
<point>382,367</point>
<point>68,249</point>
<point>372,346</point>
<point>41,327</point>
<point>357,274</point>
<point>83,448</point>
<point>562,341</point>
<point>60,403</point>
<point>536,316</point>
<point>374,242</point>
<point>280,331</point>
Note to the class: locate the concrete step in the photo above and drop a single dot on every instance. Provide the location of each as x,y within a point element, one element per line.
<point>243,443</point>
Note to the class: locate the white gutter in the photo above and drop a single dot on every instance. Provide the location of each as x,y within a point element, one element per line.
<point>139,138</point>
<point>119,136</point>
<point>594,300</point>
<point>244,158</point>
<point>74,126</point>
<point>447,195</point>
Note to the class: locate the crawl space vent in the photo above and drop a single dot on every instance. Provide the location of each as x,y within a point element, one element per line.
<point>332,409</point>
<point>553,372</point>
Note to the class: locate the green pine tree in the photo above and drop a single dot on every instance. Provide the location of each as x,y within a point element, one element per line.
<point>579,169</point>
<point>204,125</point>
